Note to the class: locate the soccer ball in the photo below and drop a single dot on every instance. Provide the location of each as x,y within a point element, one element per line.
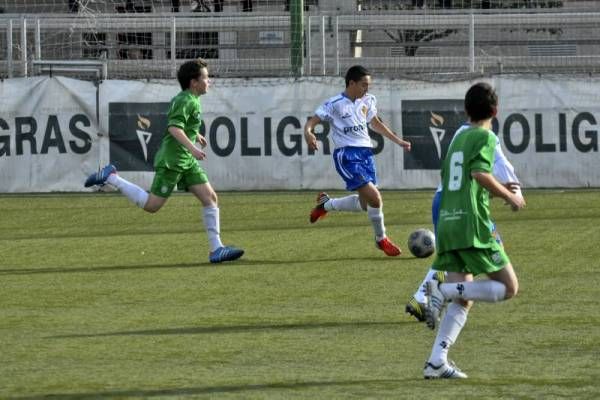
<point>421,243</point>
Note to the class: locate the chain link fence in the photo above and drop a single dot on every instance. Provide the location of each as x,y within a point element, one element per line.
<point>427,39</point>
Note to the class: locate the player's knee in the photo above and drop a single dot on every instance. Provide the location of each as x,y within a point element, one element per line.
<point>511,290</point>
<point>465,303</point>
<point>214,198</point>
<point>375,201</point>
<point>151,208</point>
<point>211,200</point>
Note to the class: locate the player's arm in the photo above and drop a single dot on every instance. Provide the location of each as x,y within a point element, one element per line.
<point>181,137</point>
<point>309,132</point>
<point>201,139</point>
<point>504,171</point>
<point>378,126</point>
<point>488,181</point>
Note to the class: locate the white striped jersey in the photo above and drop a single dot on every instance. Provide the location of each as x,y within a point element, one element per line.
<point>348,120</point>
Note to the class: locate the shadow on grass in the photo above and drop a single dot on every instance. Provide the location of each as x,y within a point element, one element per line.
<point>199,330</point>
<point>213,389</point>
<point>114,230</point>
<point>66,270</point>
<point>248,262</point>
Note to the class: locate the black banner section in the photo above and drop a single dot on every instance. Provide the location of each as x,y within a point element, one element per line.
<point>135,131</point>
<point>429,125</point>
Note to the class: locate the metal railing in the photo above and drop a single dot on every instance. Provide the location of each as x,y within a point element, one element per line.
<point>147,46</point>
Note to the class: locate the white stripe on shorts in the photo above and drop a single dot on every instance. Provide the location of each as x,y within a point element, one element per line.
<point>340,155</point>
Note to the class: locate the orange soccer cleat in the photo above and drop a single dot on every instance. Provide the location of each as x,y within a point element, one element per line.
<point>389,248</point>
<point>319,211</point>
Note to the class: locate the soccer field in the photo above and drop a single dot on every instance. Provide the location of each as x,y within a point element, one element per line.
<point>101,300</point>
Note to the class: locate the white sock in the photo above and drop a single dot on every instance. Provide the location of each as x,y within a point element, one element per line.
<point>348,203</point>
<point>485,290</point>
<point>213,229</point>
<point>376,217</point>
<point>450,327</point>
<point>134,193</point>
<point>420,293</point>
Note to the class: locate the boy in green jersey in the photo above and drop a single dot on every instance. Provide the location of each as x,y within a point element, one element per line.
<point>176,162</point>
<point>465,244</point>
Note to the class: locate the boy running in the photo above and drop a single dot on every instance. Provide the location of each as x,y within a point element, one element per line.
<point>504,172</point>
<point>465,244</point>
<point>348,114</point>
<point>176,162</point>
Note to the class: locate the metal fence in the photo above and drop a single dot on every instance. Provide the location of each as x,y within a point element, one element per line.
<point>423,39</point>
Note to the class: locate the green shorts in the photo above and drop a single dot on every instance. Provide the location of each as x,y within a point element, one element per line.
<point>166,179</point>
<point>473,260</point>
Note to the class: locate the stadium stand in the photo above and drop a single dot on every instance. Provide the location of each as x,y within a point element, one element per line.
<point>138,39</point>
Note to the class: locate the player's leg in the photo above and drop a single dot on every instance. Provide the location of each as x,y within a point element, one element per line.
<point>210,213</point>
<point>365,183</point>
<point>476,261</point>
<point>211,218</point>
<point>154,203</point>
<point>502,284</point>
<point>455,317</point>
<point>508,278</point>
<point>137,195</point>
<point>325,204</point>
<point>163,184</point>
<point>349,203</point>
<point>438,365</point>
<point>346,161</point>
<point>370,198</point>
<point>416,305</point>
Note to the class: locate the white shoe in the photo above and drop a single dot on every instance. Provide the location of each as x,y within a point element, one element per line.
<point>435,303</point>
<point>445,371</point>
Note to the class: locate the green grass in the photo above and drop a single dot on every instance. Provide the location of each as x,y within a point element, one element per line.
<point>100,300</point>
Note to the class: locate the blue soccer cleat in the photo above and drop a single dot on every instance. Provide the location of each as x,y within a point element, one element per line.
<point>100,177</point>
<point>225,253</point>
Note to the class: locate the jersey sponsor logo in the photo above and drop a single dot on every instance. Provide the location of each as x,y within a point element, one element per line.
<point>355,128</point>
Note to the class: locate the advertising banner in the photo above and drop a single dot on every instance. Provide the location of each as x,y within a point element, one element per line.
<point>48,134</point>
<point>50,138</point>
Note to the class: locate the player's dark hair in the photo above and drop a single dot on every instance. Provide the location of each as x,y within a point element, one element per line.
<point>481,102</point>
<point>356,73</point>
<point>190,70</point>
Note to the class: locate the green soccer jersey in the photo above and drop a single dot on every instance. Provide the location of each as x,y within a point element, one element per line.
<point>185,112</point>
<point>464,219</point>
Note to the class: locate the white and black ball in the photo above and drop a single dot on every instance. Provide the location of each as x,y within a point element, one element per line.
<point>421,243</point>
